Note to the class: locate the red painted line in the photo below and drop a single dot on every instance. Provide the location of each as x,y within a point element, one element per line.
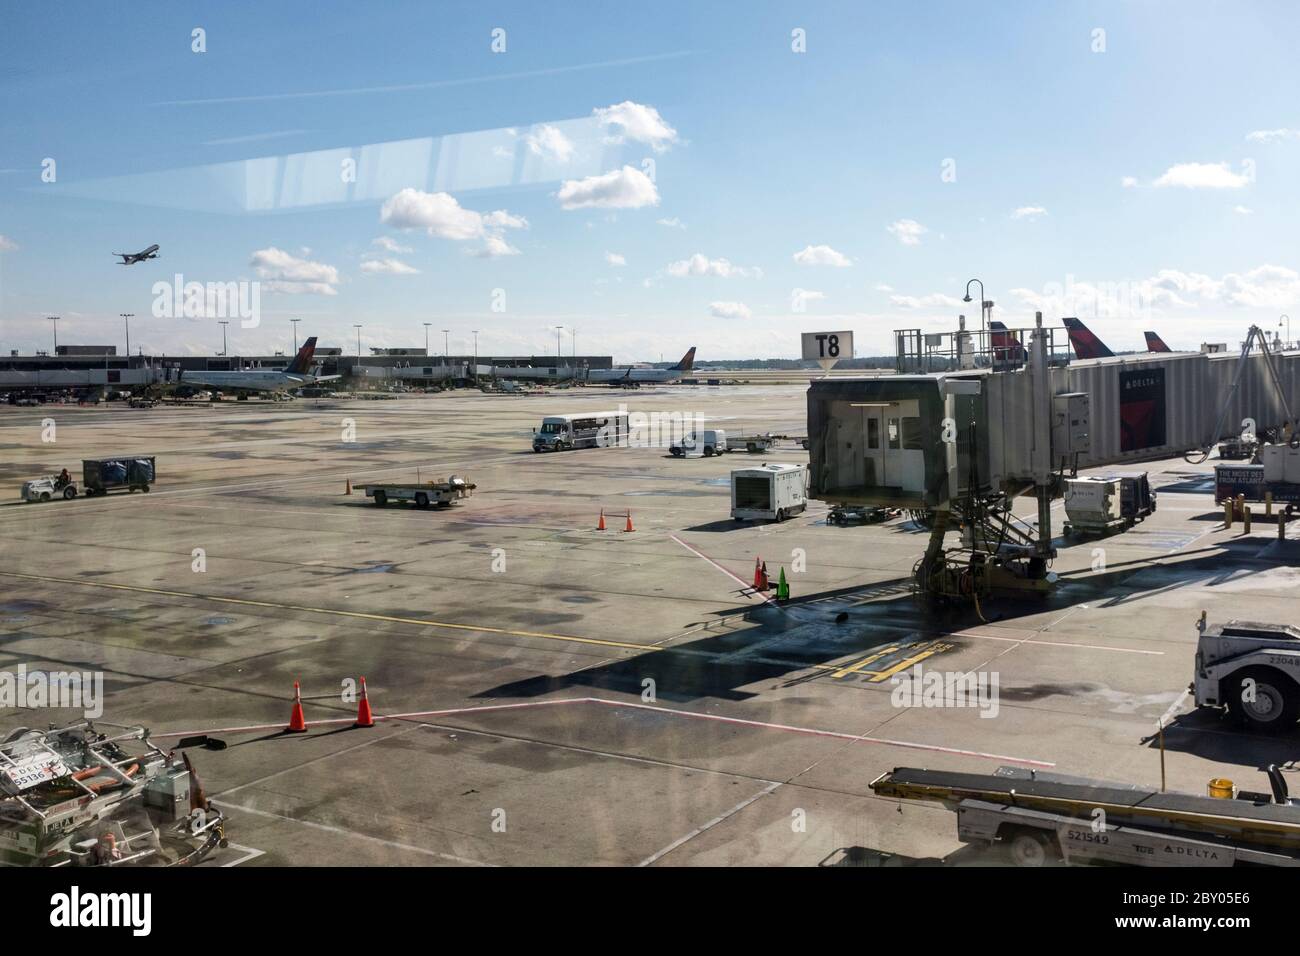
<point>694,715</point>
<point>747,589</point>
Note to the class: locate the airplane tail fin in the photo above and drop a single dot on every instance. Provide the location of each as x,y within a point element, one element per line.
<point>1086,344</point>
<point>1005,344</point>
<point>302,361</point>
<point>687,362</point>
<point>1155,343</point>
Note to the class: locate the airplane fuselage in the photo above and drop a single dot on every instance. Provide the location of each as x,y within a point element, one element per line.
<point>253,380</point>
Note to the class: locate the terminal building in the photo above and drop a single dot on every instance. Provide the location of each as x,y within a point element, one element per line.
<point>74,367</point>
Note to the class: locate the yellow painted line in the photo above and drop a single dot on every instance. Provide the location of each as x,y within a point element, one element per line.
<point>858,665</point>
<point>245,602</point>
<point>909,662</point>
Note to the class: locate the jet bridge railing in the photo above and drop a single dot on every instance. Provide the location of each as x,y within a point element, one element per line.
<point>919,352</point>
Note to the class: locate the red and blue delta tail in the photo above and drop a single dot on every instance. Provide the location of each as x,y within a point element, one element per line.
<point>301,363</point>
<point>1006,347</point>
<point>687,362</point>
<point>1155,343</point>
<point>1086,345</point>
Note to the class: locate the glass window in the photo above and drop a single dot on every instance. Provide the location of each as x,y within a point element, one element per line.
<point>873,432</point>
<point>912,434</point>
<point>893,433</point>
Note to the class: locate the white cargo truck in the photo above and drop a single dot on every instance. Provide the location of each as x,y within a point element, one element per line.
<point>770,492</point>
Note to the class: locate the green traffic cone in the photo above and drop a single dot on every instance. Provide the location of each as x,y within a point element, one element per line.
<point>782,587</point>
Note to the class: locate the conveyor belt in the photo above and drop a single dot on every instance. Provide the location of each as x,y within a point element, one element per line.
<point>1247,821</point>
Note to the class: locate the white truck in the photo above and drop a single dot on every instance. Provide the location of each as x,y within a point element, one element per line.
<point>422,494</point>
<point>708,442</point>
<point>1252,670</point>
<point>771,492</point>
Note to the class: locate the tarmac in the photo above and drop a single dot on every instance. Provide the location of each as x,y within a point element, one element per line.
<point>550,694</point>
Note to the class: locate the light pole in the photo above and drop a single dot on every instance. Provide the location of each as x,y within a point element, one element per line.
<point>1280,318</point>
<point>126,319</point>
<point>475,331</point>
<point>426,337</point>
<point>558,357</point>
<point>575,348</point>
<point>984,303</point>
<point>295,334</point>
<point>358,328</point>
<point>55,320</point>
<point>446,346</point>
<point>223,323</point>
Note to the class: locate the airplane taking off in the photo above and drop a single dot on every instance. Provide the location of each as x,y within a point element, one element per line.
<point>1155,343</point>
<point>294,375</point>
<point>1086,345</point>
<point>130,258</point>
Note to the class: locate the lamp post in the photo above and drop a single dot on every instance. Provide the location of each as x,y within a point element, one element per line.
<point>985,305</point>
<point>55,320</point>
<point>223,323</point>
<point>358,328</point>
<point>1287,318</point>
<point>446,346</point>
<point>475,331</point>
<point>295,334</point>
<point>558,359</point>
<point>126,319</point>
<point>426,337</point>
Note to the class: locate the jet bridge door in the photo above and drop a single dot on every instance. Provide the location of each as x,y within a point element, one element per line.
<point>851,469</point>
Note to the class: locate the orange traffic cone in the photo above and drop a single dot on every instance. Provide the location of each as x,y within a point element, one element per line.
<point>766,584</point>
<point>364,717</point>
<point>758,574</point>
<point>600,525</point>
<point>297,720</point>
<point>629,522</point>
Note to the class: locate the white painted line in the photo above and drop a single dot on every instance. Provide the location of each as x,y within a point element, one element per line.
<point>1017,640</point>
<point>746,589</point>
<point>249,854</point>
<point>355,835</point>
<point>708,826</point>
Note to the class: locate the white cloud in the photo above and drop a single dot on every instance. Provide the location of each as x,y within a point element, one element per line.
<point>1128,182</point>
<point>1273,135</point>
<point>442,216</point>
<point>285,273</point>
<point>1242,210</point>
<point>390,245</point>
<point>1169,290</point>
<point>392,267</point>
<point>1202,176</point>
<point>494,247</point>
<point>729,310</point>
<point>625,188</point>
<point>701,265</point>
<point>881,287</point>
<point>615,259</point>
<point>548,142</point>
<point>933,301</point>
<point>822,256</point>
<point>7,244</point>
<point>673,223</point>
<point>640,124</point>
<point>907,231</point>
<point>1029,212</point>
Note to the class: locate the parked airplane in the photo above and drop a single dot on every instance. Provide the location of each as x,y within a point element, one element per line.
<point>294,375</point>
<point>1006,347</point>
<point>1086,345</point>
<point>1155,343</point>
<point>130,258</point>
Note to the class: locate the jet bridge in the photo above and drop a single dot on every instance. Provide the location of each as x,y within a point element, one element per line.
<point>973,420</point>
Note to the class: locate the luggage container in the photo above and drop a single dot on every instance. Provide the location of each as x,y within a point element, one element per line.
<point>133,472</point>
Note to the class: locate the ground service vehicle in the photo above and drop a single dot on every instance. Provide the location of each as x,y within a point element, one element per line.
<point>75,796</point>
<point>101,475</point>
<point>45,489</point>
<point>1101,504</point>
<point>1039,817</point>
<point>709,442</point>
<point>421,494</point>
<point>565,432</point>
<point>772,492</point>
<point>1252,670</point>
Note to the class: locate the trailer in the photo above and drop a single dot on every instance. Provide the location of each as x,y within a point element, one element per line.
<point>770,492</point>
<point>1038,817</point>
<point>1105,504</point>
<point>99,476</point>
<point>424,494</point>
<point>1252,671</point>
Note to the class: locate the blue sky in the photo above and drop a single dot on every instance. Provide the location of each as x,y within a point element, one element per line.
<point>1141,177</point>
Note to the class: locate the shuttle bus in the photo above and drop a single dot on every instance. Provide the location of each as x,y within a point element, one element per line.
<point>563,432</point>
